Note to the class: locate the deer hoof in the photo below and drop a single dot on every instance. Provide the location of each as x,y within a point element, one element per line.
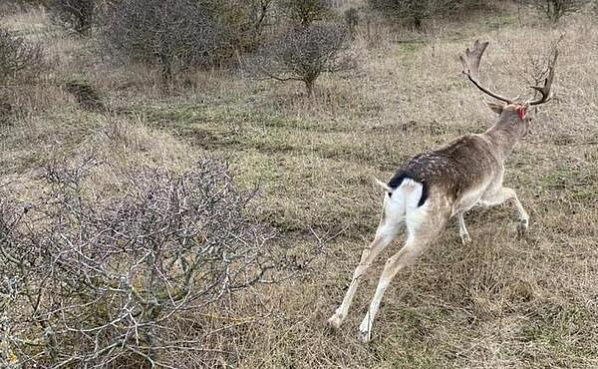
<point>365,336</point>
<point>365,330</point>
<point>335,321</point>
<point>522,228</point>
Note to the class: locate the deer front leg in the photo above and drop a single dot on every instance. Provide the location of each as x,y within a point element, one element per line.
<point>503,195</point>
<point>465,239</point>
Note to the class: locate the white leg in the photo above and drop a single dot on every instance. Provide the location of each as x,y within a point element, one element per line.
<point>392,218</point>
<point>465,238</point>
<point>503,195</point>
<point>386,232</point>
<point>419,237</point>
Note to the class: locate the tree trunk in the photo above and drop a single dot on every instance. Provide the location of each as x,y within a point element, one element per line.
<point>165,69</point>
<point>309,87</point>
<point>417,23</point>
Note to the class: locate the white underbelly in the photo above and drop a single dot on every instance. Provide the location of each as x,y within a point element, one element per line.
<point>469,199</point>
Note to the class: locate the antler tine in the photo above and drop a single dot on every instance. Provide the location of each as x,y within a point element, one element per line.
<point>471,64</point>
<point>545,90</point>
<point>471,59</point>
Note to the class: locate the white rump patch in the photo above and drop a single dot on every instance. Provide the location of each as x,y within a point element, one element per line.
<point>409,193</point>
<point>404,200</point>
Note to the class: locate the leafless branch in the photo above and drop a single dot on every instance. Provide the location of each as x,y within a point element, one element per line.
<point>103,283</point>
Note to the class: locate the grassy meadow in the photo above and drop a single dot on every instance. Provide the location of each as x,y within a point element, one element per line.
<point>498,302</point>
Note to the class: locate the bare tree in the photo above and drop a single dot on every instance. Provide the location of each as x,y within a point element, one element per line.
<point>352,20</point>
<point>75,15</point>
<point>178,34</point>
<point>259,13</point>
<point>88,284</point>
<point>554,10</point>
<point>415,12</point>
<point>306,12</point>
<point>171,34</point>
<point>304,53</point>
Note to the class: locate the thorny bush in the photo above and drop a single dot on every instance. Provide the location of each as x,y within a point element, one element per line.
<point>90,285</point>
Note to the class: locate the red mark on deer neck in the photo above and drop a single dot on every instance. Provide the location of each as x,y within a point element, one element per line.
<point>521,112</point>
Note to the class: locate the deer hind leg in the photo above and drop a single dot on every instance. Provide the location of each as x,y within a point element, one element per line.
<point>465,238</point>
<point>392,218</point>
<point>505,194</point>
<point>420,233</point>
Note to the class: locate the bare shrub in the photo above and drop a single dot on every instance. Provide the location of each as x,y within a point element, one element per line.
<point>415,12</point>
<point>20,62</point>
<point>304,53</point>
<point>90,284</point>
<point>244,22</point>
<point>173,35</point>
<point>179,34</point>
<point>306,12</point>
<point>73,15</point>
<point>18,57</point>
<point>554,10</point>
<point>259,11</point>
<point>352,20</point>
<point>12,6</point>
<point>87,97</point>
<point>27,3</point>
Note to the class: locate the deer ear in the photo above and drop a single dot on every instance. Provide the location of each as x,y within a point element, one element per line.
<point>496,107</point>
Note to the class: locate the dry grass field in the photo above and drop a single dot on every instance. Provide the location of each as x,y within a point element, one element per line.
<point>498,302</point>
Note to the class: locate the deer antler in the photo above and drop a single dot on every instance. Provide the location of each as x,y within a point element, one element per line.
<point>471,62</point>
<point>545,90</point>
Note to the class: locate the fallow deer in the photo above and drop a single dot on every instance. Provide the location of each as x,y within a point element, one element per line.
<point>435,186</point>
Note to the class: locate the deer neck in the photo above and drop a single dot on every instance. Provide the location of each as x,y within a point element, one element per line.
<point>504,137</point>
